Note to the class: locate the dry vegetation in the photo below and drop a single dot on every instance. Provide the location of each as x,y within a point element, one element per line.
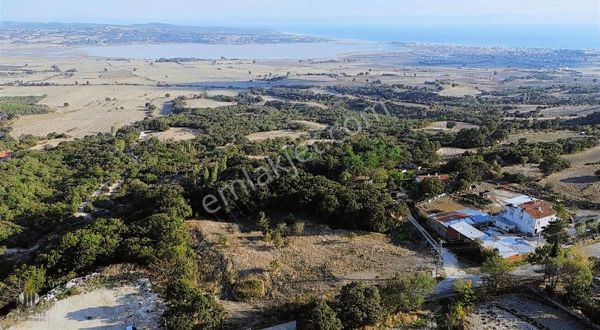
<point>535,137</point>
<point>578,182</point>
<point>316,263</point>
<point>280,133</point>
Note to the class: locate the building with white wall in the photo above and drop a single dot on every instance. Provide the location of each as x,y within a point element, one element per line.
<point>528,215</point>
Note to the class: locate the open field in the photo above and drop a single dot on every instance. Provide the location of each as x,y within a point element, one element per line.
<point>316,263</point>
<point>449,152</point>
<point>579,182</point>
<point>90,110</point>
<point>105,92</point>
<point>534,137</point>
<point>176,134</point>
<point>206,103</point>
<point>530,170</point>
<point>280,133</point>
<point>459,91</point>
<point>569,111</point>
<point>438,126</point>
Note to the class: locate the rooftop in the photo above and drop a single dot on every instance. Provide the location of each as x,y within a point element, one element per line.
<point>5,154</point>
<point>519,200</point>
<point>469,215</point>
<point>442,177</point>
<point>469,231</point>
<point>538,209</point>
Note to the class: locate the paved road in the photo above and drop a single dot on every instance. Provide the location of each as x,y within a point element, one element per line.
<point>444,287</point>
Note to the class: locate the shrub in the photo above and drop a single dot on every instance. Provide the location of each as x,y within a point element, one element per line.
<point>407,293</point>
<point>298,229</point>
<point>190,308</point>
<point>359,304</point>
<point>250,289</point>
<point>319,316</point>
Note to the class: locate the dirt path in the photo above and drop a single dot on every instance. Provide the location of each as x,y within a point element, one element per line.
<point>105,308</point>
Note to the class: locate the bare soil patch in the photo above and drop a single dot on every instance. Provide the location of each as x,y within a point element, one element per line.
<point>108,307</point>
<point>261,136</point>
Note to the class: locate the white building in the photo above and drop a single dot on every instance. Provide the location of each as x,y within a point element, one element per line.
<point>529,215</point>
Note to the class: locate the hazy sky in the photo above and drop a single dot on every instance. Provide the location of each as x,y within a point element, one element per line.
<point>278,12</point>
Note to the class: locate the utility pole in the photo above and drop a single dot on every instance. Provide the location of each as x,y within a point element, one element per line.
<point>438,264</point>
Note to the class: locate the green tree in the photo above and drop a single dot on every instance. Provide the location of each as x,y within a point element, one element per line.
<point>464,293</point>
<point>263,222</point>
<point>556,234</point>
<point>190,308</point>
<point>407,293</point>
<point>553,164</point>
<point>319,316</point>
<point>578,277</point>
<point>206,175</point>
<point>359,304</point>
<point>214,174</point>
<point>496,272</point>
<point>431,187</point>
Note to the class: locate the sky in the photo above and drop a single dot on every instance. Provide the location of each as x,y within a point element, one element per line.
<point>308,12</point>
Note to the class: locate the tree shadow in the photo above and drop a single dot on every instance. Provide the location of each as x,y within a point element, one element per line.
<point>581,179</point>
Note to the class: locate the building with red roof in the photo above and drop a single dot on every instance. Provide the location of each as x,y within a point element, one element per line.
<point>529,215</point>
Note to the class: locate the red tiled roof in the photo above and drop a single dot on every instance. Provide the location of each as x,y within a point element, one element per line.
<point>5,154</point>
<point>442,177</point>
<point>538,209</point>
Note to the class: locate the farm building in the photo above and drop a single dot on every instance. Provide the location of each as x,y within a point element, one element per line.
<point>460,225</point>
<point>442,177</point>
<point>440,222</point>
<point>528,215</point>
<point>5,155</point>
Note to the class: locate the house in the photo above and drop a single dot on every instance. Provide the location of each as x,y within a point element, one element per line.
<point>504,224</point>
<point>5,155</point>
<point>464,231</point>
<point>442,177</point>
<point>528,215</point>
<point>441,222</point>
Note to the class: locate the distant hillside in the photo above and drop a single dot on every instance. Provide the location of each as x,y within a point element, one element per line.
<point>78,34</point>
<point>591,119</point>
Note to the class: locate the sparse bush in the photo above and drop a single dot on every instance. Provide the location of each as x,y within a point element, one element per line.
<point>263,223</point>
<point>223,240</point>
<point>298,229</point>
<point>250,289</point>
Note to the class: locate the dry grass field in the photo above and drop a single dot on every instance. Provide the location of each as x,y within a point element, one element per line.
<point>318,262</point>
<point>174,134</point>
<point>534,137</point>
<point>280,133</point>
<point>579,182</point>
<point>438,126</point>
